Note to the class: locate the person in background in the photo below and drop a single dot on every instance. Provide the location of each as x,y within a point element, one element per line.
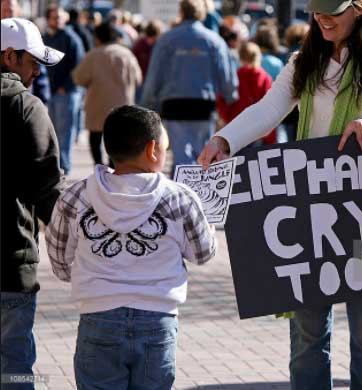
<point>235,24</point>
<point>267,39</point>
<point>84,19</point>
<point>41,85</point>
<point>10,9</point>
<point>234,32</point>
<point>294,36</point>
<point>88,43</point>
<point>115,18</point>
<point>293,39</point>
<point>83,33</point>
<point>121,238</point>
<point>66,97</point>
<point>213,19</point>
<point>31,183</point>
<point>254,83</point>
<point>142,49</point>
<point>189,66</point>
<point>325,79</point>
<point>233,41</point>
<point>144,46</point>
<point>271,22</point>
<point>126,21</point>
<point>93,19</point>
<point>138,22</point>
<point>110,73</point>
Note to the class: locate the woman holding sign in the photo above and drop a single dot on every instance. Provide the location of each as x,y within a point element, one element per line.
<point>325,79</point>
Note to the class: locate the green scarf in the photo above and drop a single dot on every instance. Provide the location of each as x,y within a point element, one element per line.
<point>346,106</point>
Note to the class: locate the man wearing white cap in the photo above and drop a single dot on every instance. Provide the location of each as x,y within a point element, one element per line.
<point>31,177</point>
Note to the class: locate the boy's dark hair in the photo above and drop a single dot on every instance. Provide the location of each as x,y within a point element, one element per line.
<point>128,129</point>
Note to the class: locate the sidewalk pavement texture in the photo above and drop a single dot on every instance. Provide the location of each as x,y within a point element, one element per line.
<point>216,350</point>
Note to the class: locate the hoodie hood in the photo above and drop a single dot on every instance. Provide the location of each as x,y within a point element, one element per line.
<point>124,202</point>
<point>11,84</point>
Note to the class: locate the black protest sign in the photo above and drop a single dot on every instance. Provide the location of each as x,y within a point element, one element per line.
<point>294,226</point>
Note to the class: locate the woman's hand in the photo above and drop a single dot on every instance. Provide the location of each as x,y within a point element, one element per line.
<point>216,149</point>
<point>353,127</point>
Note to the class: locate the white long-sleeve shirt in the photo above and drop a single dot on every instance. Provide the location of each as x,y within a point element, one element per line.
<point>258,119</point>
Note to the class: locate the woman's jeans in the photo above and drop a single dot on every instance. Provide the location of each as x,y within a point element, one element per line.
<point>17,340</point>
<point>126,348</point>
<point>310,331</point>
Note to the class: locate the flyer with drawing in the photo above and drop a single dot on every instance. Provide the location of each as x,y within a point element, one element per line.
<point>213,186</point>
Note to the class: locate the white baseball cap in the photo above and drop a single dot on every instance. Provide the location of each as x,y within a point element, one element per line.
<point>22,34</point>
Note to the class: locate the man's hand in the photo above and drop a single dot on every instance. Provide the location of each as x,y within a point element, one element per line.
<point>216,149</point>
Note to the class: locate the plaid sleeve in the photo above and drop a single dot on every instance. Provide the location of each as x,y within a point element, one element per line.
<point>201,243</point>
<point>60,241</point>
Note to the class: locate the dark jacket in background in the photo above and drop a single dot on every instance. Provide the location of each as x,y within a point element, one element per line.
<point>84,34</point>
<point>30,178</point>
<point>41,85</point>
<point>68,42</point>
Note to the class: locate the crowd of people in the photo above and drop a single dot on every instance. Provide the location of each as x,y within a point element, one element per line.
<point>87,37</point>
<point>121,235</point>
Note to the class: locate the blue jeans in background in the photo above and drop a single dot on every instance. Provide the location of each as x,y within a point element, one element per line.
<point>126,349</point>
<point>17,340</point>
<point>188,138</point>
<point>310,331</point>
<point>64,113</point>
<point>81,114</point>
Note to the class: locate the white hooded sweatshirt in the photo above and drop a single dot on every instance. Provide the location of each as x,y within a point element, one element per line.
<point>121,239</point>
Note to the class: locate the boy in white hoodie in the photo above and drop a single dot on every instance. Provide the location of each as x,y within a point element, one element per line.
<point>120,237</point>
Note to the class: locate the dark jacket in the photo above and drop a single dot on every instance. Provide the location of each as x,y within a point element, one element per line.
<point>41,85</point>
<point>84,34</point>
<point>30,179</point>
<point>68,42</point>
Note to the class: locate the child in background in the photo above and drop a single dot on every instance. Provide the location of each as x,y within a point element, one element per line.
<point>254,82</point>
<point>120,237</point>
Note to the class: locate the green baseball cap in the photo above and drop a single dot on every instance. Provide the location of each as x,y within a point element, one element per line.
<point>328,7</point>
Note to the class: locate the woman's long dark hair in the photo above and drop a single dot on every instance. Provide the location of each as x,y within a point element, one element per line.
<point>315,53</point>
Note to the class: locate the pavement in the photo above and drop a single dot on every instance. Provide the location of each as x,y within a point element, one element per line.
<point>216,350</point>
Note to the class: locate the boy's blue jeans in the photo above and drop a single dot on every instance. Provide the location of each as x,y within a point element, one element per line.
<point>126,348</point>
<point>310,331</point>
<point>17,340</point>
